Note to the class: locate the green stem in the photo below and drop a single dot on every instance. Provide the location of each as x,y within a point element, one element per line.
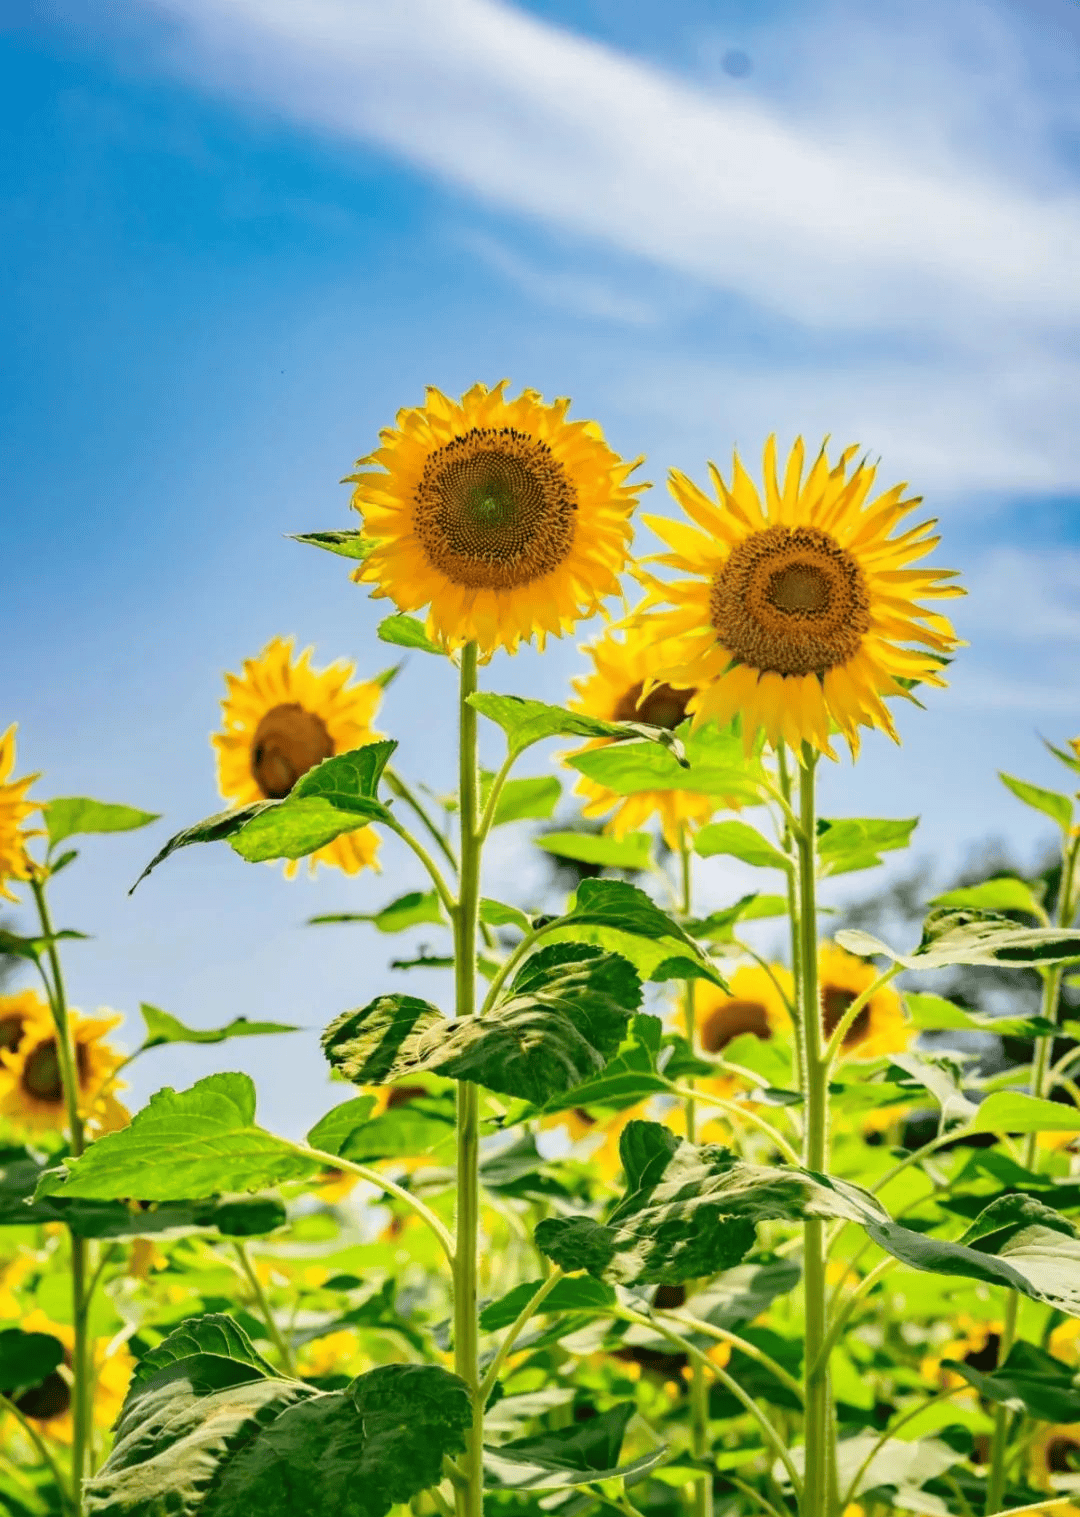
<point>751,1350</point>
<point>865,1285</point>
<point>1040,1081</point>
<point>816,1389</point>
<point>784,774</point>
<point>7,1405</point>
<point>688,1009</point>
<point>80,1302</point>
<point>497,784</point>
<point>373,1177</point>
<point>441,887</point>
<point>470,1496</point>
<point>288,1363</point>
<point>840,1031</point>
<point>531,1307</point>
<point>405,793</point>
<point>744,1114</point>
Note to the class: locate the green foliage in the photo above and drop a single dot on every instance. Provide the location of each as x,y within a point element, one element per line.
<point>196,1142</point>
<point>851,843</point>
<point>72,815</point>
<point>331,1133</point>
<point>163,1027</point>
<point>523,800</point>
<point>406,632</point>
<point>1030,1380</point>
<point>526,722</point>
<point>1010,1111</point>
<point>417,908</point>
<point>572,1456</point>
<point>373,1045</point>
<point>26,1358</point>
<point>972,937</point>
<point>214,1335</point>
<point>578,1294</point>
<point>350,544</point>
<point>1004,894</point>
<point>935,1013</point>
<point>714,764</point>
<point>624,912</point>
<point>1050,802</point>
<point>634,851</point>
<point>738,840</point>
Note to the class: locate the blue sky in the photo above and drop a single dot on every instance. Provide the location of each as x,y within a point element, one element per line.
<point>239,234</point>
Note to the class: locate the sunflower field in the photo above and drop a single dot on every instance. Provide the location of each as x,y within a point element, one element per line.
<point>647,1220</point>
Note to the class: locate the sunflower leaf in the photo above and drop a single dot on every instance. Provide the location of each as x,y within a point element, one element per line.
<point>715,764</point>
<point>406,632</point>
<point>582,1454</point>
<point>27,1358</point>
<point>212,829</point>
<point>71,815</point>
<point>738,840</point>
<point>1050,802</point>
<point>581,1293</point>
<point>524,799</point>
<point>1004,894</point>
<point>347,544</point>
<point>215,1334</point>
<point>972,937</point>
<point>199,1141</point>
<point>1010,1111</point>
<point>850,843</point>
<point>419,908</point>
<point>163,1027</point>
<point>366,1046</point>
<point>1030,1380</point>
<point>620,913</point>
<point>935,1013</point>
<point>633,851</point>
<point>526,722</point>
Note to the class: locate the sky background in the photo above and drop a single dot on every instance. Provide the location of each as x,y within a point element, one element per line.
<point>238,235</point>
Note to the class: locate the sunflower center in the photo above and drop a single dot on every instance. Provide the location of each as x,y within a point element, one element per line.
<point>790,600</point>
<point>985,1358</point>
<point>664,706</point>
<point>835,1000</point>
<point>495,510</point>
<point>1063,1455</point>
<point>731,1020</point>
<point>11,1031</point>
<point>288,742</point>
<point>41,1076</point>
<point>49,1399</point>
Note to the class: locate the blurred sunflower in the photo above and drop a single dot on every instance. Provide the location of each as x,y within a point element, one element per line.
<point>24,1014</point>
<point>1055,1450</point>
<point>976,1344</point>
<point>601,1133</point>
<point>14,809</point>
<point>756,1005</point>
<point>332,1354</point>
<point>615,692</point>
<point>881,1026</point>
<point>797,612</point>
<point>281,717</point>
<point>507,521</point>
<point>31,1089</point>
<point>49,1404</point>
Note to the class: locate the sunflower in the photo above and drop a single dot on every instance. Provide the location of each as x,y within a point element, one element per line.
<point>31,1090</point>
<point>22,1015</point>
<point>281,718</point>
<point>615,692</point>
<point>15,863</point>
<point>798,613</point>
<point>601,1134</point>
<point>49,1404</point>
<point>977,1343</point>
<point>1055,1451</point>
<point>507,521</point>
<point>881,1026</point>
<point>756,1004</point>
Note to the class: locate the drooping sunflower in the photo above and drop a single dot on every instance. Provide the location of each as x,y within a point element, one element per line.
<point>48,1405</point>
<point>281,717</point>
<point>14,809</point>
<point>801,612</point>
<point>756,1005</point>
<point>615,692</point>
<point>1055,1451</point>
<point>31,1089</point>
<point>504,519</point>
<point>881,1026</point>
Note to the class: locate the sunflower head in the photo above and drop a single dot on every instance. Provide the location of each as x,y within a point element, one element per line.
<point>616,691</point>
<point>799,609</point>
<point>48,1405</point>
<point>757,1005</point>
<point>1055,1451</point>
<point>15,862</point>
<point>501,517</point>
<point>280,718</point>
<point>881,1026</point>
<point>31,1087</point>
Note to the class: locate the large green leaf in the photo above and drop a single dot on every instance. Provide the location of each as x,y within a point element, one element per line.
<point>936,1013</point>
<point>1010,1111</point>
<point>738,840</point>
<point>524,800</point>
<point>631,1075</point>
<point>943,1075</point>
<point>332,1132</point>
<point>163,1027</point>
<point>743,1293</point>
<point>578,1455</point>
<point>406,632</point>
<point>356,1452</point>
<point>1050,802</point>
<point>212,829</point>
<point>423,1125</point>
<point>1030,1380</point>
<point>634,851</point>
<point>579,1293</point>
<point>419,908</point>
<point>691,1211</point>
<point>196,1142</point>
<point>27,1358</point>
<point>70,815</point>
<point>1004,894</point>
<point>526,722</point>
<point>716,764</point>
<point>622,909</point>
<point>214,1334</point>
<point>348,544</point>
<point>368,1046</point>
<point>972,937</point>
<point>850,843</point>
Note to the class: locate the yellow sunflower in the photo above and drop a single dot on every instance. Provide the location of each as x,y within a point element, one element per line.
<point>507,521</point>
<point>48,1405</point>
<point>600,1133</point>
<point>615,692</point>
<point>881,1026</point>
<point>756,1005</point>
<point>1055,1450</point>
<point>31,1091</point>
<point>281,718</point>
<point>977,1343</point>
<point>22,1015</point>
<point>15,863</point>
<point>799,612</point>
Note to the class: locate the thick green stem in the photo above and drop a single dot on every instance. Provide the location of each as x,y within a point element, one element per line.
<point>816,1389</point>
<point>80,1300</point>
<point>470,1495</point>
<point>784,775</point>
<point>1040,1083</point>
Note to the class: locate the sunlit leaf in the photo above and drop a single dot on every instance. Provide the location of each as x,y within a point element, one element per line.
<point>367,1046</point>
<point>1050,802</point>
<point>499,914</point>
<point>163,1027</point>
<point>848,843</point>
<point>716,766</point>
<point>634,851</point>
<point>419,908</point>
<point>941,1074</point>
<point>935,1013</point>
<point>214,1334</point>
<point>406,632</point>
<point>193,1142</point>
<point>526,722</point>
<point>580,1293</point>
<point>71,815</point>
<point>524,800</point>
<point>971,937</point>
<point>330,1133</point>
<point>738,840</point>
<point>1004,894</point>
<point>1013,1112</point>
